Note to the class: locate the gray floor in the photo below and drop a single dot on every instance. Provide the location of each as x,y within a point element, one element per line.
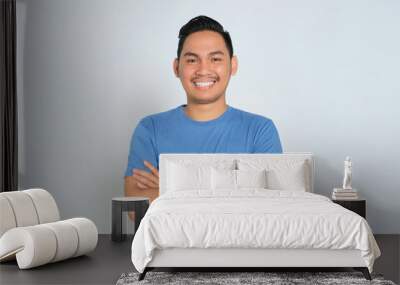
<point>110,260</point>
<point>102,266</point>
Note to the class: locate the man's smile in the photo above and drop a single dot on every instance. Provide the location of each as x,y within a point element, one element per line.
<point>204,84</point>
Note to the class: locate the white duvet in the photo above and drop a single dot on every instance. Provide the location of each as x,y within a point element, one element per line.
<point>251,218</point>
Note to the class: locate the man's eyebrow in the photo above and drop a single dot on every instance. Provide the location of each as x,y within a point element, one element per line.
<point>211,53</point>
<point>217,52</point>
<point>190,54</point>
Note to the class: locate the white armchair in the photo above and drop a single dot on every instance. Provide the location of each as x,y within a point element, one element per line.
<point>31,230</point>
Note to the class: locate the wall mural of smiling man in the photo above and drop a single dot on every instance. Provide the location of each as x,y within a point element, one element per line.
<point>206,124</point>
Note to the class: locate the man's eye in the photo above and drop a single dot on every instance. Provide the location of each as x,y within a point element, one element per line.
<point>216,59</point>
<point>191,60</point>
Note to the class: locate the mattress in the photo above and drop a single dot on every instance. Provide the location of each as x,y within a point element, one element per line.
<point>250,219</point>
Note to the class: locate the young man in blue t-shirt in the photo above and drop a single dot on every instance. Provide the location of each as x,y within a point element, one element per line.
<point>206,124</point>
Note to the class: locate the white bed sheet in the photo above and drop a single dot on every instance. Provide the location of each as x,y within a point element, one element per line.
<point>250,218</point>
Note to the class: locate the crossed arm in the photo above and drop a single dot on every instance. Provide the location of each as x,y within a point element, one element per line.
<point>142,184</point>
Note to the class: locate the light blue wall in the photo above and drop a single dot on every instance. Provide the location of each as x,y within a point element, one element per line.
<point>327,73</point>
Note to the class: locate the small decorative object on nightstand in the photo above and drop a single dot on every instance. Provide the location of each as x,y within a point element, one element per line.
<point>358,206</point>
<point>347,179</point>
<point>123,204</point>
<point>347,192</point>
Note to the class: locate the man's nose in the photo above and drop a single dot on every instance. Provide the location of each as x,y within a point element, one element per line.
<point>204,67</point>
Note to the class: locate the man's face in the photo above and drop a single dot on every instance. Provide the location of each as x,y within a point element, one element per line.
<point>205,67</point>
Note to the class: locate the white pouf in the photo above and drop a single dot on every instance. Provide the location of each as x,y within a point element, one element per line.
<point>31,232</point>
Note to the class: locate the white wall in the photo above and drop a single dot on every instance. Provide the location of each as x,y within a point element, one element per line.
<point>325,71</point>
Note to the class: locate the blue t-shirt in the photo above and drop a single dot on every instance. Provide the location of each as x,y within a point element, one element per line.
<point>235,131</point>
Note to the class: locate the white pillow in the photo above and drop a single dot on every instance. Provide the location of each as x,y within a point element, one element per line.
<point>251,178</point>
<point>186,174</point>
<point>183,177</point>
<point>289,179</point>
<point>282,174</point>
<point>223,179</point>
<point>236,179</point>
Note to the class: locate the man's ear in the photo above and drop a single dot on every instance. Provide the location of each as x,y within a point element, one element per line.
<point>234,65</point>
<point>175,66</point>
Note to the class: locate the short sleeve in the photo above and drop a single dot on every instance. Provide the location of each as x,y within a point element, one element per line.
<point>267,138</point>
<point>142,147</point>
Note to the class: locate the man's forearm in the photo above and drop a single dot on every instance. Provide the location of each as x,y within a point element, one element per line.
<point>132,189</point>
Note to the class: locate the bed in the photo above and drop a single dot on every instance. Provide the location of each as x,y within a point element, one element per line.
<point>244,211</point>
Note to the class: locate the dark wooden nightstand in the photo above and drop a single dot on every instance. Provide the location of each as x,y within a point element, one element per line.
<point>123,204</point>
<point>358,206</point>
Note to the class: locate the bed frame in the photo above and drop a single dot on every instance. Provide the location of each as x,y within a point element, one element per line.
<point>248,259</point>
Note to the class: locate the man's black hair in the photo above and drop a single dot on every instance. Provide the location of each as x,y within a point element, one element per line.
<point>203,23</point>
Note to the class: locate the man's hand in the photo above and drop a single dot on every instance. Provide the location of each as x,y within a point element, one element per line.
<point>142,183</point>
<point>145,179</point>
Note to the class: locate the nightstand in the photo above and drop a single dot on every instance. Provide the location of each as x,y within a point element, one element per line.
<point>123,204</point>
<point>358,206</point>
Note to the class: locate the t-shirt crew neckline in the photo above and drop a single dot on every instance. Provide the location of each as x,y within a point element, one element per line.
<point>213,121</point>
